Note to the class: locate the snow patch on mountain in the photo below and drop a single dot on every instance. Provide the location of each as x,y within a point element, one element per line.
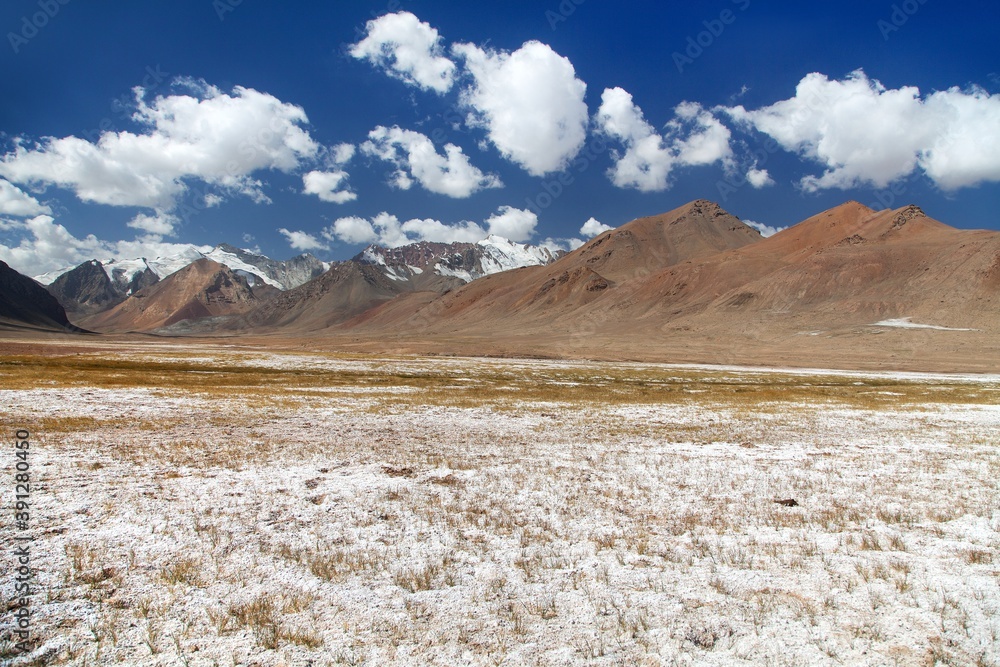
<point>248,271</point>
<point>165,266</point>
<point>124,270</point>
<point>465,261</point>
<point>371,255</point>
<point>500,254</point>
<point>493,254</point>
<point>256,268</point>
<point>461,274</point>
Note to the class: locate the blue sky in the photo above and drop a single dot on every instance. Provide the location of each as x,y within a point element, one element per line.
<point>130,127</point>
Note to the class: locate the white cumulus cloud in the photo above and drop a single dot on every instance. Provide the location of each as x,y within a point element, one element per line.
<point>14,201</point>
<point>530,103</point>
<point>593,227</point>
<point>514,224</point>
<point>759,178</point>
<point>765,230</point>
<point>561,245</point>
<point>47,246</point>
<point>384,229</point>
<point>341,153</point>
<point>303,241</point>
<point>208,135</point>
<point>160,224</point>
<point>388,230</point>
<point>434,230</point>
<point>211,200</point>
<point>351,229</point>
<point>693,137</point>
<point>328,186</point>
<point>965,147</point>
<point>416,159</point>
<point>865,134</point>
<point>407,49</point>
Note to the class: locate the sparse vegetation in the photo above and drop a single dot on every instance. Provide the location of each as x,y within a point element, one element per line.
<point>476,383</point>
<point>351,510</point>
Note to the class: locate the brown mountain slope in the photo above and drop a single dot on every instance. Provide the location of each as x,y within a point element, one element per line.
<point>841,268</point>
<point>345,291</point>
<point>698,229</point>
<point>810,294</point>
<point>24,304</point>
<point>201,289</point>
<point>585,280</point>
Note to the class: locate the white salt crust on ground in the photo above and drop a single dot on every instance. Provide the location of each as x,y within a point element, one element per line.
<point>356,530</point>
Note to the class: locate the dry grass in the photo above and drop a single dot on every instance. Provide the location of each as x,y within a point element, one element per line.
<point>255,509</point>
<point>499,385</point>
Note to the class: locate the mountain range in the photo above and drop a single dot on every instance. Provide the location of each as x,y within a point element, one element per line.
<point>132,288</point>
<point>95,285</point>
<point>697,284</point>
<point>894,287</point>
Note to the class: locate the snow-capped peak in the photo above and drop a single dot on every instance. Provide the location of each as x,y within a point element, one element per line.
<point>250,264</point>
<point>169,264</point>
<point>235,263</point>
<point>500,254</point>
<point>371,255</point>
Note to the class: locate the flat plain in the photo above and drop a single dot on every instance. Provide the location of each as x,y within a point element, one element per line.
<point>213,504</point>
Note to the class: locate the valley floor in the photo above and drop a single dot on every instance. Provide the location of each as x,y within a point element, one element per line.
<point>218,505</point>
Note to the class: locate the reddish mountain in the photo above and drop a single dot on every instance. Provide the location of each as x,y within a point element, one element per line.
<point>348,289</point>
<point>203,289</point>
<point>588,279</point>
<point>696,284</point>
<point>848,266</point>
